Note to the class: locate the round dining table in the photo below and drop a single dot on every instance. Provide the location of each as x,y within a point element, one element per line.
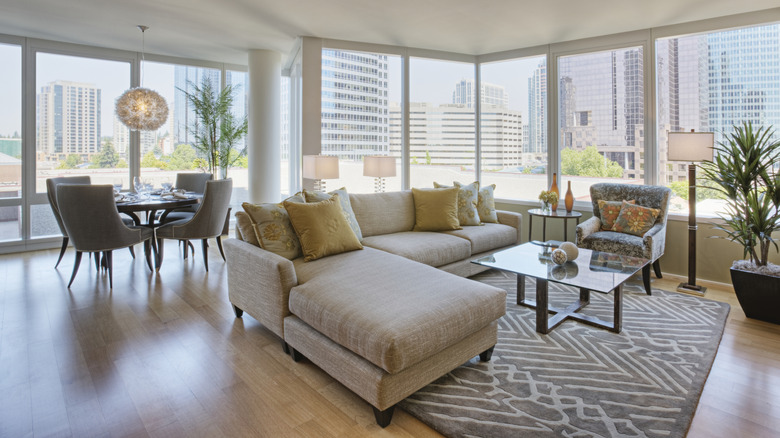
<point>151,204</point>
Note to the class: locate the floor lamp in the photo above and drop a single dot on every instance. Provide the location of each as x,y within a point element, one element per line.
<point>319,168</point>
<point>380,167</point>
<point>692,147</point>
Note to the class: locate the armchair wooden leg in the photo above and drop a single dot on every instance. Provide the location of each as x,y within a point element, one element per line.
<point>206,253</point>
<point>383,418</point>
<point>132,251</point>
<point>96,256</point>
<point>657,268</point>
<point>646,278</point>
<point>62,251</point>
<point>75,267</point>
<point>487,354</point>
<point>237,311</point>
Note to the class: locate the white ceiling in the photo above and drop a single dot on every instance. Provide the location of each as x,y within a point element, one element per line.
<point>224,30</point>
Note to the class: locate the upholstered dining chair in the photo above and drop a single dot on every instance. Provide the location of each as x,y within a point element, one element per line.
<point>51,193</point>
<point>592,234</point>
<point>93,224</point>
<point>207,222</point>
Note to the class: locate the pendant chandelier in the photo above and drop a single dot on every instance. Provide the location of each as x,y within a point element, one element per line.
<point>142,109</point>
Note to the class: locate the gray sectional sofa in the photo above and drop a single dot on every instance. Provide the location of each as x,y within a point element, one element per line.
<point>385,320</point>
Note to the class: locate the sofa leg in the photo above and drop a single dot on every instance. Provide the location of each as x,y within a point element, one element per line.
<point>646,279</point>
<point>657,268</point>
<point>285,347</point>
<point>237,311</point>
<point>487,354</point>
<point>383,418</point>
<point>296,356</point>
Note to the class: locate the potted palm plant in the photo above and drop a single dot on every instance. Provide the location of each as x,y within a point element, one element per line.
<point>745,171</point>
<point>217,132</point>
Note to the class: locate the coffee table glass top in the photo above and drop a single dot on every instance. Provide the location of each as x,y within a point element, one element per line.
<point>592,270</point>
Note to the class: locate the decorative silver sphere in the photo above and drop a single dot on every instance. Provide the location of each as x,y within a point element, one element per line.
<point>559,257</point>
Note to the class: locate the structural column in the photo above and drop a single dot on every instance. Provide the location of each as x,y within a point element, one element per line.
<point>264,148</point>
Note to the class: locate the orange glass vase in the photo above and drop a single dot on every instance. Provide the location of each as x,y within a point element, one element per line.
<point>569,200</point>
<point>554,188</point>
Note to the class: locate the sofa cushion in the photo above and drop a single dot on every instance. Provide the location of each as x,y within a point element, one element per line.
<point>245,228</point>
<point>272,227</point>
<point>486,204</point>
<point>383,213</point>
<point>390,310</point>
<point>322,228</point>
<point>616,243</point>
<point>467,202</point>
<point>635,219</point>
<point>486,237</point>
<point>433,249</point>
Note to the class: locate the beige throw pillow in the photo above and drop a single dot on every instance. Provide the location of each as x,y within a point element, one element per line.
<point>349,214</point>
<point>436,209</point>
<point>272,228</point>
<point>486,204</point>
<point>245,228</point>
<point>322,228</point>
<point>467,202</point>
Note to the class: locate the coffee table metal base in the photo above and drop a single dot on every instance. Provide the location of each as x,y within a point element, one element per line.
<point>545,324</point>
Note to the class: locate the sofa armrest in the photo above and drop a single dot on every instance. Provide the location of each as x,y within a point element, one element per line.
<point>587,228</point>
<point>655,241</point>
<point>512,219</point>
<point>259,283</point>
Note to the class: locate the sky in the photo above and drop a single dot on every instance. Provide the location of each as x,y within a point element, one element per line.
<point>431,81</point>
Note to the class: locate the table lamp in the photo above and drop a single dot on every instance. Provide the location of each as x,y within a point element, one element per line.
<point>380,167</point>
<point>692,147</point>
<point>319,168</point>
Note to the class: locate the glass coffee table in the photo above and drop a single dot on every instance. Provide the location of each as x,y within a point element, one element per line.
<point>591,271</point>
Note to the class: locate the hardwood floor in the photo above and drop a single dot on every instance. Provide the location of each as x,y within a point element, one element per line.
<point>162,355</point>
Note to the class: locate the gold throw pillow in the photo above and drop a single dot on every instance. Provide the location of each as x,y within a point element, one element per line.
<point>272,227</point>
<point>321,228</point>
<point>436,209</point>
<point>349,214</point>
<point>245,228</point>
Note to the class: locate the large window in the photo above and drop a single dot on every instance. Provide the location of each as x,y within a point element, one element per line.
<point>711,82</point>
<point>513,127</point>
<point>76,129</point>
<point>10,141</point>
<point>601,118</point>
<point>361,97</point>
<point>442,143</point>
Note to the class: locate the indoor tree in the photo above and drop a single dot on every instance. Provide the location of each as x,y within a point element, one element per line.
<point>216,130</point>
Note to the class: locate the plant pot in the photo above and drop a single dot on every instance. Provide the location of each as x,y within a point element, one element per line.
<point>758,294</point>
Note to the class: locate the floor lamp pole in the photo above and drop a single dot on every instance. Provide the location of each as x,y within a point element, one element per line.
<point>690,286</point>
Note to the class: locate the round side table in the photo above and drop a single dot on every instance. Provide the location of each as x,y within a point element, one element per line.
<point>559,214</point>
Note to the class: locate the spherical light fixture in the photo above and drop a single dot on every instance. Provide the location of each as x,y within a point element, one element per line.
<point>142,109</point>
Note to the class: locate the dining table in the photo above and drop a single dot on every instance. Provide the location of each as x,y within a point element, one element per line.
<point>131,204</point>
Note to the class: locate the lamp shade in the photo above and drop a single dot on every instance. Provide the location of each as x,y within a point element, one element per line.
<point>690,146</point>
<point>320,167</point>
<point>378,166</point>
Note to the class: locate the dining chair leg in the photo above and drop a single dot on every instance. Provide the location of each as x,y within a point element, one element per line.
<point>62,251</point>
<point>219,244</point>
<point>206,254</point>
<point>96,256</point>
<point>160,247</point>
<point>107,256</point>
<point>148,254</point>
<point>132,251</point>
<point>75,267</point>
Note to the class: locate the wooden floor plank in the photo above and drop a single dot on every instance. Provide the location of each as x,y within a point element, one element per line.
<point>162,355</point>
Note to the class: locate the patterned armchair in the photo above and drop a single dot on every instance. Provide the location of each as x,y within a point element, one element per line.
<point>650,245</point>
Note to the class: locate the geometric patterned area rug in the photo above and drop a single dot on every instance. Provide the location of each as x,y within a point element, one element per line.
<point>582,381</point>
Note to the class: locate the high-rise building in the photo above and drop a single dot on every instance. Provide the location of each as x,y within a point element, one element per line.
<point>68,119</point>
<point>149,139</point>
<point>537,112</point>
<point>492,95</point>
<point>744,77</point>
<point>185,78</point>
<point>354,104</point>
